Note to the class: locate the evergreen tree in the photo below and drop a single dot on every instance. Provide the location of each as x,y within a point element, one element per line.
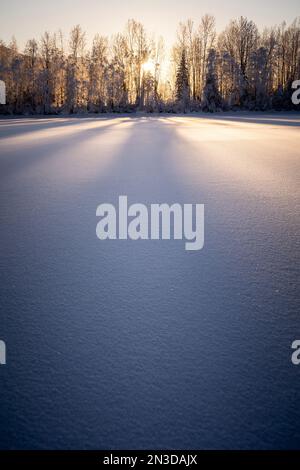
<point>259,80</point>
<point>211,99</point>
<point>182,83</point>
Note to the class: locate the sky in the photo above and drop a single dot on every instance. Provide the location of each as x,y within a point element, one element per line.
<point>30,18</point>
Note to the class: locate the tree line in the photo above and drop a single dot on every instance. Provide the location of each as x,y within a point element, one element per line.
<point>239,68</point>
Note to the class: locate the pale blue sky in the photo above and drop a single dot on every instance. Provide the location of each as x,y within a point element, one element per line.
<point>30,18</point>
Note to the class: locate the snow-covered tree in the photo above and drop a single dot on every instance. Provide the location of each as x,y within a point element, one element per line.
<point>98,64</point>
<point>182,83</point>
<point>259,79</point>
<point>76,72</point>
<point>211,98</point>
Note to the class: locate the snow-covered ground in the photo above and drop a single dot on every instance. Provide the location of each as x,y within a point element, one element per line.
<point>123,344</point>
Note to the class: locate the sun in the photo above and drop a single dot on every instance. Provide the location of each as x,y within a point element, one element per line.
<point>148,67</point>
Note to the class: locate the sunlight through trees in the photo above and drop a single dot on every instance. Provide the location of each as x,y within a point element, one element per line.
<point>240,68</point>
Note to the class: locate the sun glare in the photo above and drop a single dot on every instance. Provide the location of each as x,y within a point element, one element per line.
<point>148,66</point>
